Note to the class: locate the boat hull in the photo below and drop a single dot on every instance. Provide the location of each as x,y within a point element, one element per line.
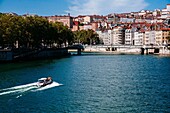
<point>44,83</point>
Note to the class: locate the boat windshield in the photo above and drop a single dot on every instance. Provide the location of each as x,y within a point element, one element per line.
<point>41,81</point>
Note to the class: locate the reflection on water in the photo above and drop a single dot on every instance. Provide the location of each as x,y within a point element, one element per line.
<point>23,64</point>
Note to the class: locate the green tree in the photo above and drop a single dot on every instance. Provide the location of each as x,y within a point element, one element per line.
<point>86,37</point>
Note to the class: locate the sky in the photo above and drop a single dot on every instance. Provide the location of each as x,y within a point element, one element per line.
<point>78,7</point>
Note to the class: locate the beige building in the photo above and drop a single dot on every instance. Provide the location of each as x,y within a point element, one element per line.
<point>158,37</point>
<point>118,36</point>
<point>75,26</point>
<point>146,38</point>
<point>87,19</point>
<point>94,26</point>
<point>165,35</point>
<point>66,20</point>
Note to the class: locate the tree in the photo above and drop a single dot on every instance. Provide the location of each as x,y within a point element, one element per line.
<point>86,37</point>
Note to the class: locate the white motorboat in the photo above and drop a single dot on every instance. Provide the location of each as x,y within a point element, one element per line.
<point>44,81</point>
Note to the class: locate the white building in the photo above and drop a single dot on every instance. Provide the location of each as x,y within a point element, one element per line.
<point>152,37</point>
<point>87,26</point>
<point>149,38</point>
<point>156,12</point>
<point>142,12</point>
<point>165,13</point>
<point>112,37</point>
<point>106,39</point>
<point>138,38</point>
<point>157,20</point>
<point>129,37</point>
<point>104,24</point>
<point>168,7</point>
<point>127,20</point>
<point>103,37</point>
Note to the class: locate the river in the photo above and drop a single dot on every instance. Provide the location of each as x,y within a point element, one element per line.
<point>87,83</point>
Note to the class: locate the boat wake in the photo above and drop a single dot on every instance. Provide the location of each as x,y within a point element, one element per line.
<point>54,84</point>
<point>26,88</point>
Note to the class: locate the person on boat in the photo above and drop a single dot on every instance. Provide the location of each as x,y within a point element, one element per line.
<point>49,78</point>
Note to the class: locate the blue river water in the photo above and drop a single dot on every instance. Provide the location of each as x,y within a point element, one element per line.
<point>88,84</point>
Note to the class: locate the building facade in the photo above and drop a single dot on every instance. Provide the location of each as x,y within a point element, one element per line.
<point>66,20</point>
<point>129,37</point>
<point>138,38</point>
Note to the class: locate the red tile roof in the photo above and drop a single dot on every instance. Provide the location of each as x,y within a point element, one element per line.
<point>165,29</point>
<point>76,23</point>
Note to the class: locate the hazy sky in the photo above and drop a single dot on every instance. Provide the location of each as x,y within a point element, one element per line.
<point>78,7</point>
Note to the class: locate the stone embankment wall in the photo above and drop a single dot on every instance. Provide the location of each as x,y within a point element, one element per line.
<point>51,53</point>
<point>8,55</point>
<point>126,50</point>
<point>113,50</point>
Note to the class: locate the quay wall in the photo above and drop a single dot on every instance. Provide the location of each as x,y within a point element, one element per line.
<point>6,55</point>
<point>113,49</point>
<point>125,50</point>
<point>51,53</point>
<point>46,54</point>
<point>9,55</point>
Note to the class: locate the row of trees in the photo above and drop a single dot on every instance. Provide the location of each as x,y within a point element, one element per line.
<point>32,31</point>
<point>35,32</point>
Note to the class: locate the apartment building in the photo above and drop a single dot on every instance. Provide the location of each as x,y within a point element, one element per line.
<point>118,36</point>
<point>95,26</point>
<point>87,19</point>
<point>66,20</point>
<point>103,36</point>
<point>129,37</point>
<point>79,18</point>
<point>109,39</point>
<point>165,13</point>
<point>149,37</point>
<point>146,38</point>
<point>106,37</point>
<point>87,26</point>
<point>168,7</point>
<point>158,37</point>
<point>138,37</point>
<point>152,37</point>
<point>75,26</point>
<point>165,35</point>
<point>114,36</point>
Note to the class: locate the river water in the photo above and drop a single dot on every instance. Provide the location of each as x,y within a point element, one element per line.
<point>87,83</point>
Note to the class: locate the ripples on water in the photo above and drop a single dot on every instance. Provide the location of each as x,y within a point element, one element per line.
<point>91,83</point>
